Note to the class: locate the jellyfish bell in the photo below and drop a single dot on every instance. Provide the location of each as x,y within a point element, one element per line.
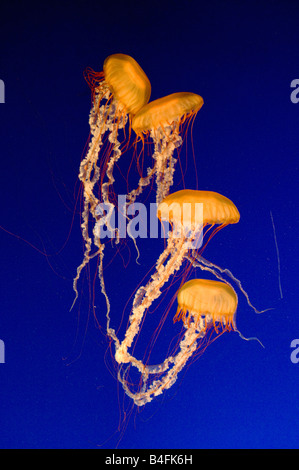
<point>164,111</point>
<point>191,211</point>
<point>217,209</point>
<point>205,302</point>
<point>163,120</point>
<point>127,81</point>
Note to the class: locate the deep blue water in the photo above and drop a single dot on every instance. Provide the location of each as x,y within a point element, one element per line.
<point>56,389</point>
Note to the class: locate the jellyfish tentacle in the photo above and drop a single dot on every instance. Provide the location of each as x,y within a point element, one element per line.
<point>199,262</point>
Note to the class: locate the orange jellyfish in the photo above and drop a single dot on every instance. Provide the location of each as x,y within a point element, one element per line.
<point>117,94</point>
<point>189,212</point>
<point>205,307</point>
<point>163,120</point>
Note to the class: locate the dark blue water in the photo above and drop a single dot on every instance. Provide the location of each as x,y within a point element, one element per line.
<point>56,386</point>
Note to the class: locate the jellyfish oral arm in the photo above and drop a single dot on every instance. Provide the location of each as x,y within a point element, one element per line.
<point>143,182</point>
<point>167,372</point>
<point>145,296</point>
<point>114,125</point>
<point>108,117</point>
<point>166,140</point>
<point>89,174</point>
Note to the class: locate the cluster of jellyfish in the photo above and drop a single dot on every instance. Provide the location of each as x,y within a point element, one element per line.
<point>120,102</point>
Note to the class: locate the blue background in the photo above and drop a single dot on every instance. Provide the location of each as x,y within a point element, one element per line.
<point>56,389</point>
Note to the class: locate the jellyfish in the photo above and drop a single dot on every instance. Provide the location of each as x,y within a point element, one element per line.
<point>163,120</point>
<point>205,307</point>
<point>118,92</point>
<point>191,214</point>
